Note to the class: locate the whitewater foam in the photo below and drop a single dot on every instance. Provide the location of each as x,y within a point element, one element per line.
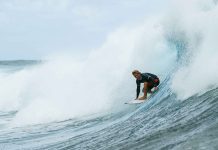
<point>64,88</point>
<point>200,74</point>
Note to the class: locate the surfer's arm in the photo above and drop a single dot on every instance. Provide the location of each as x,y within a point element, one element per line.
<point>137,90</point>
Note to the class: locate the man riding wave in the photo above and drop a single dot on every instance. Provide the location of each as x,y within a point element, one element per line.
<point>150,81</point>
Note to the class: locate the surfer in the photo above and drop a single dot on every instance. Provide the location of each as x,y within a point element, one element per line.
<point>150,81</point>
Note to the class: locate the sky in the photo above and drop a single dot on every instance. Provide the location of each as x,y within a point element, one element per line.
<point>34,29</point>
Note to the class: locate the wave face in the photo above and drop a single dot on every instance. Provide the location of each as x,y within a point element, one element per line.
<point>71,103</point>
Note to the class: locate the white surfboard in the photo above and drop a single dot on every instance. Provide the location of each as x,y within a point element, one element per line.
<point>141,101</point>
<point>135,102</point>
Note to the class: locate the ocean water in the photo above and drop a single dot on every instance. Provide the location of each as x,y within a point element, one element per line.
<point>163,122</point>
<point>69,102</point>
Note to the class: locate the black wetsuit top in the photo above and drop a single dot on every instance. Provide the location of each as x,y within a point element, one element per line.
<point>146,77</point>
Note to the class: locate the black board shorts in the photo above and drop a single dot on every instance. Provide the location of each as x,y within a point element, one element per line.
<point>151,85</point>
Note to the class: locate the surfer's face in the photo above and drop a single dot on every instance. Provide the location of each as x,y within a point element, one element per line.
<point>137,76</point>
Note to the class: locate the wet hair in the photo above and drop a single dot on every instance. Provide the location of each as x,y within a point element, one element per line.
<point>136,72</point>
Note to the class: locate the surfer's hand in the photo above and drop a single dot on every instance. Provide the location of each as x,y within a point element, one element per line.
<point>142,98</point>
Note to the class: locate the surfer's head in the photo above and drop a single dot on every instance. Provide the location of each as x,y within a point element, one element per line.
<point>136,74</point>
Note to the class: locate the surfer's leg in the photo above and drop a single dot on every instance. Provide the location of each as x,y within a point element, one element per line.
<point>149,87</point>
<point>145,89</point>
<point>149,90</point>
